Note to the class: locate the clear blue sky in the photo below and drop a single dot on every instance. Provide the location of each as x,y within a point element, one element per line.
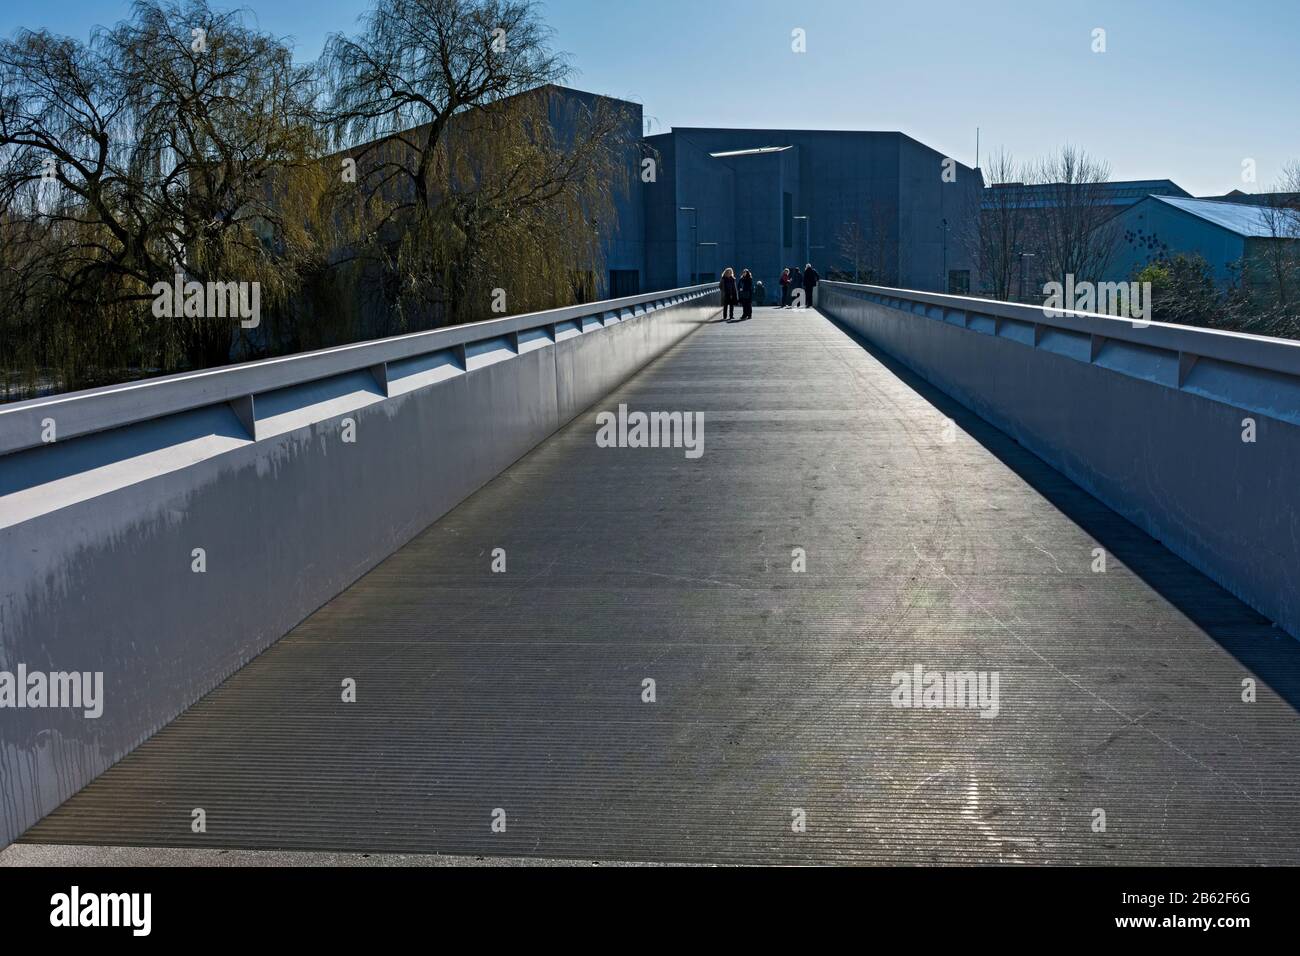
<point>1186,89</point>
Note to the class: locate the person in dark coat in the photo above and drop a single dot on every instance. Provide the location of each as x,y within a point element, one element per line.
<point>785,289</point>
<point>746,295</point>
<point>810,280</point>
<point>796,286</point>
<point>730,294</point>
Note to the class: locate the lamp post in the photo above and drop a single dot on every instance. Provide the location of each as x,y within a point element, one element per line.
<point>944,285</point>
<point>695,231</point>
<point>1023,256</point>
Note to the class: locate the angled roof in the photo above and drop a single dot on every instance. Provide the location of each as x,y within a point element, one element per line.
<point>1253,222</point>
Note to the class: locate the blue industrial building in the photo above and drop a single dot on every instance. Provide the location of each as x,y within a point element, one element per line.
<point>1103,201</point>
<point>1227,234</point>
<point>872,205</point>
<point>867,206</point>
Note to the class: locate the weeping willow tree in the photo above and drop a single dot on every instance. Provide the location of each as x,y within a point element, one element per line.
<point>228,139</point>
<point>185,143</point>
<point>482,180</point>
<point>181,141</point>
<point>523,199</point>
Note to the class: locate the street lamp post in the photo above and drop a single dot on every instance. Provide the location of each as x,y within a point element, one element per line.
<point>944,285</point>
<point>1023,256</point>
<point>695,232</point>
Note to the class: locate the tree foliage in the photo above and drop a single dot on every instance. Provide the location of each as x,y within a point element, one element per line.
<point>179,141</point>
<point>998,229</point>
<point>1183,291</point>
<point>1073,226</point>
<point>186,141</point>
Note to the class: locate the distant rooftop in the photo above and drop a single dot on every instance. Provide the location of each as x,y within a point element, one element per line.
<point>1251,221</point>
<point>1257,199</point>
<point>1120,193</point>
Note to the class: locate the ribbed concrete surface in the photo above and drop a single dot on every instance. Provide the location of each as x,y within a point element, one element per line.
<point>1119,690</point>
<point>72,855</point>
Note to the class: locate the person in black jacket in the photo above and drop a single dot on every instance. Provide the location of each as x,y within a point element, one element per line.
<point>746,295</point>
<point>796,287</point>
<point>730,294</point>
<point>810,280</point>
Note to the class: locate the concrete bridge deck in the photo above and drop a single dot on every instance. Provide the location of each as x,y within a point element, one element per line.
<point>1118,691</point>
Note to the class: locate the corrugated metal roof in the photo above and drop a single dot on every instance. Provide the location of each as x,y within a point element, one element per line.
<point>1251,221</point>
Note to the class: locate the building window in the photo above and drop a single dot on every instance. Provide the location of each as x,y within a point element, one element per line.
<point>787,219</point>
<point>624,282</point>
<point>959,282</point>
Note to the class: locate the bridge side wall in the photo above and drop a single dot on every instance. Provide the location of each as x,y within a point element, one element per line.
<point>98,533</point>
<point>1148,420</point>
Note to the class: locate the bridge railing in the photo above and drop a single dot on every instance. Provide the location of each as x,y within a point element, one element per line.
<point>1164,353</point>
<point>161,533</point>
<point>22,424</point>
<point>1192,434</point>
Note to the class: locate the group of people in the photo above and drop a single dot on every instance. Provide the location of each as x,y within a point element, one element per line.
<point>792,279</point>
<point>739,290</point>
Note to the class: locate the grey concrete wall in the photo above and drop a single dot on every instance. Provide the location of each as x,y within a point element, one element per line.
<point>1149,419</point>
<point>760,182</point>
<point>710,187</point>
<point>890,185</point>
<point>926,201</point>
<point>98,528</point>
<point>624,244</point>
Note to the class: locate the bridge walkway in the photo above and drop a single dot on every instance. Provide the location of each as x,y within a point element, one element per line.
<point>930,539</point>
